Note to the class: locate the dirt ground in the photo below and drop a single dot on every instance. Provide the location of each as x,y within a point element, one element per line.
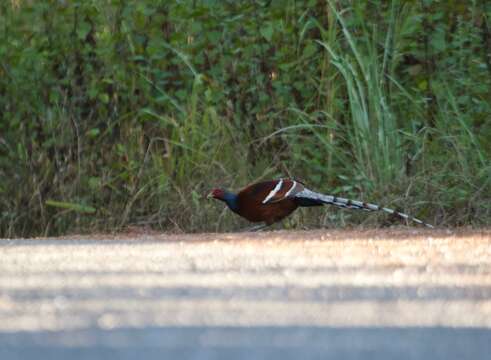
<point>407,292</point>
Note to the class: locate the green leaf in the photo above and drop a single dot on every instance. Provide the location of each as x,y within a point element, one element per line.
<point>438,41</point>
<point>71,206</point>
<point>94,183</point>
<point>309,50</point>
<point>92,133</point>
<point>104,98</point>
<point>83,30</point>
<point>267,31</point>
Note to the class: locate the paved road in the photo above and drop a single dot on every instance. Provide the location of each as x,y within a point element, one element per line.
<point>406,294</point>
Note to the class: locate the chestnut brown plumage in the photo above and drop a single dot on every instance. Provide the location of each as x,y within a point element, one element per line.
<point>272,201</point>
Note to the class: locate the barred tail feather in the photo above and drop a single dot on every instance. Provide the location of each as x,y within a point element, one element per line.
<point>354,204</point>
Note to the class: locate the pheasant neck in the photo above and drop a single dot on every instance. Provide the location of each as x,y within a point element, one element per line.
<point>231,200</point>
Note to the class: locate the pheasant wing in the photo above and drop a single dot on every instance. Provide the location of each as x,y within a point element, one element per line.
<point>283,189</point>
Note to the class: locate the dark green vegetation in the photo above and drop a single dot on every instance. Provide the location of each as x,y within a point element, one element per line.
<point>117,113</point>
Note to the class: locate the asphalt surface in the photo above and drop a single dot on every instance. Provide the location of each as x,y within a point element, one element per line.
<point>379,294</point>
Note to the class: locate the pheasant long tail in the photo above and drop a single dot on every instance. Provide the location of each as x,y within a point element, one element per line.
<point>354,204</point>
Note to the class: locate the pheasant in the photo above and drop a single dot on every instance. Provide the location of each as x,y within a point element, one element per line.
<point>272,201</point>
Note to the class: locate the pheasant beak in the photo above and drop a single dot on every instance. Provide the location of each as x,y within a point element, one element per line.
<point>210,195</point>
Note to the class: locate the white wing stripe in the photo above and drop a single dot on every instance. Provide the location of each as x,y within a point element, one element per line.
<point>291,189</point>
<point>273,192</point>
